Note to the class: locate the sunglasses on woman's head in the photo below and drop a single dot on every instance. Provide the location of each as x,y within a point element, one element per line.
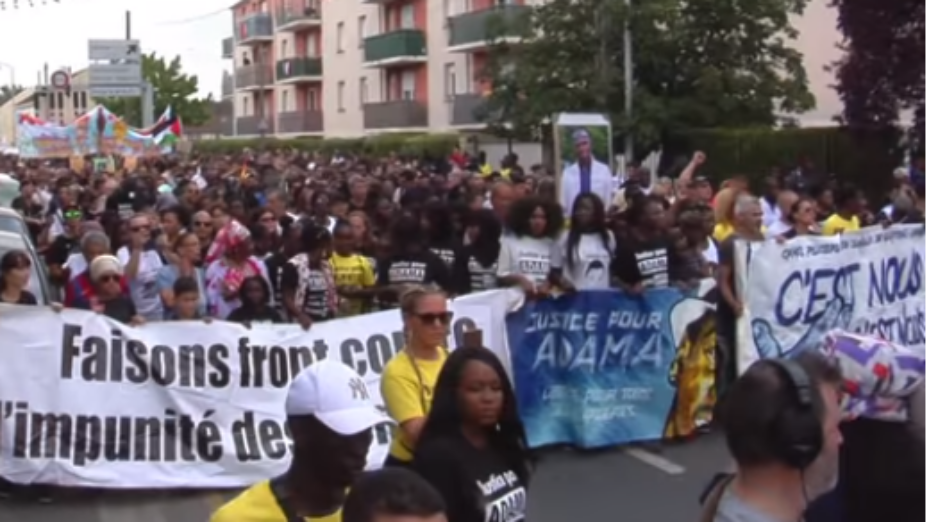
<point>442,318</point>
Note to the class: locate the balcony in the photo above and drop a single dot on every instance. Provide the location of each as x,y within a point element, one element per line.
<point>300,122</point>
<point>403,46</point>
<point>399,114</point>
<point>228,47</point>
<point>475,30</point>
<point>254,77</point>
<point>299,70</point>
<point>251,125</point>
<point>465,109</point>
<point>254,28</point>
<point>227,85</point>
<point>294,18</point>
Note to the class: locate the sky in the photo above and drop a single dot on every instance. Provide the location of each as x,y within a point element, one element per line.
<point>57,34</point>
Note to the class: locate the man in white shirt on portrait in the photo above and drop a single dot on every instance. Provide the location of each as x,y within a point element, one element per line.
<point>585,175</point>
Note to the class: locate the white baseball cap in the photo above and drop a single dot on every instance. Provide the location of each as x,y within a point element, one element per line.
<point>335,394</point>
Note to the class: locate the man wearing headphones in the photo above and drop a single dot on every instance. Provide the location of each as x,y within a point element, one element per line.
<point>781,420</point>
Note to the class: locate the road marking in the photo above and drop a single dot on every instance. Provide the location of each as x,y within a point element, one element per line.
<point>656,461</point>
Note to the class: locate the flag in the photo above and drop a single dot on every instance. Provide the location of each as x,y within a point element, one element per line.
<point>167,130</point>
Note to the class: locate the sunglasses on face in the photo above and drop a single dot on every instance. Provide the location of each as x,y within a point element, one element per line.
<point>73,214</point>
<point>443,318</point>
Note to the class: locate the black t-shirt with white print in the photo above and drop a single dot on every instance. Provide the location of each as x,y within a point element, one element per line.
<point>447,253</point>
<point>654,262</point>
<point>473,276</point>
<point>421,268</point>
<point>478,484</point>
<point>314,289</point>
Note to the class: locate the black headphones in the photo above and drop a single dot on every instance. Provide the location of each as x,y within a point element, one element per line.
<point>797,433</point>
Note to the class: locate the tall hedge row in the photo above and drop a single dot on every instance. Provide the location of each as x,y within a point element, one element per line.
<point>864,158</point>
<point>433,145</point>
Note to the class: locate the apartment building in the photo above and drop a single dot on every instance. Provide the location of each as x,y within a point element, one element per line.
<point>354,67</point>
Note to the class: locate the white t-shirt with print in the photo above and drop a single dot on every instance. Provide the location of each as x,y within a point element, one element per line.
<point>527,256</point>
<point>143,289</point>
<point>590,263</point>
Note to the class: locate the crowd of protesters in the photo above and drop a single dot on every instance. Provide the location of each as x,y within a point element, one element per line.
<point>284,237</point>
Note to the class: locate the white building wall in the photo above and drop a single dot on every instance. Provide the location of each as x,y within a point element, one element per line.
<point>342,68</point>
<point>446,71</point>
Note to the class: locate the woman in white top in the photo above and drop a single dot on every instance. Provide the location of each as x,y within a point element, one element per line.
<point>525,254</point>
<point>581,257</point>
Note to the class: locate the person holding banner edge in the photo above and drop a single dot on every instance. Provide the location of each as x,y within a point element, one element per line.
<point>330,415</point>
<point>409,378</point>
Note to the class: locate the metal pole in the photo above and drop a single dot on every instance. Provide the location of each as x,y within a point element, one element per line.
<point>128,25</point>
<point>235,112</point>
<point>628,79</point>
<point>148,104</point>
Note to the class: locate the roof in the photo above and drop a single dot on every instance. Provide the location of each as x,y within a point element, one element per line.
<point>24,97</point>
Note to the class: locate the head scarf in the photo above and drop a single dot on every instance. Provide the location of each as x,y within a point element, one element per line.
<point>879,376</point>
<point>103,265</point>
<point>229,237</point>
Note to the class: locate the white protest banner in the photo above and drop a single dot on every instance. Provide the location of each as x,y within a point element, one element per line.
<point>870,281</point>
<point>86,401</point>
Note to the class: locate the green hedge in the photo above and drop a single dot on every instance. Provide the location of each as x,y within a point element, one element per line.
<point>417,145</point>
<point>866,159</point>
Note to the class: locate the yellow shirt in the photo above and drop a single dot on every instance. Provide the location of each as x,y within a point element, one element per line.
<point>721,231</point>
<point>836,224</point>
<point>356,271</point>
<point>407,394</point>
<point>258,504</point>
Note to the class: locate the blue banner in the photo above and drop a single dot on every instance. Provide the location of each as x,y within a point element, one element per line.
<point>603,368</point>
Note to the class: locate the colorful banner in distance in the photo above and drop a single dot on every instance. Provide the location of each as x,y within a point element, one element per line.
<point>598,369</point>
<point>99,131</point>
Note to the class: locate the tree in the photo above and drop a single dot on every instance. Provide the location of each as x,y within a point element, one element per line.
<point>882,72</point>
<point>698,64</point>
<point>172,88</point>
<point>8,92</point>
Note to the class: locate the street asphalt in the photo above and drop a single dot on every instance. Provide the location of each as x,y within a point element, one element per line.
<point>628,484</point>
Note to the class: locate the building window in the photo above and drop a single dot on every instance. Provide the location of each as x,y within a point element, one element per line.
<point>311,49</point>
<point>340,96</point>
<point>340,37</point>
<point>363,90</point>
<point>245,110</point>
<point>408,85</point>
<point>362,30</point>
<point>407,17</point>
<point>285,101</point>
<point>451,87</point>
<point>83,100</point>
<point>312,100</point>
<point>284,49</point>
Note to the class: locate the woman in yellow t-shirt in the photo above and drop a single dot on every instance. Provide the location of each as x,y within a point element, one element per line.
<point>354,273</point>
<point>409,378</point>
<point>723,210</point>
